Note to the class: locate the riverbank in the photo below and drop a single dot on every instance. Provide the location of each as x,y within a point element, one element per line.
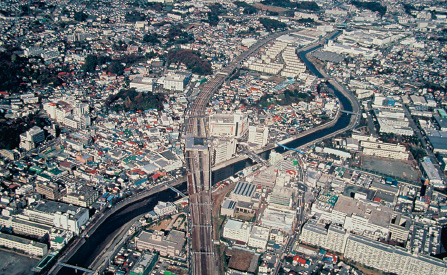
<point>348,101</point>
<point>141,201</point>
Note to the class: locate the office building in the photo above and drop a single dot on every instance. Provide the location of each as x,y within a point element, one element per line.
<point>228,124</point>
<point>236,230</point>
<point>50,190</point>
<point>259,237</point>
<point>258,136</point>
<point>175,81</point>
<point>165,208</point>
<point>281,197</point>
<point>30,138</point>
<point>243,192</point>
<point>22,244</point>
<point>223,149</point>
<point>24,227</point>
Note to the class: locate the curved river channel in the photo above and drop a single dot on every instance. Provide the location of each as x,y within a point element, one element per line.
<point>111,226</point>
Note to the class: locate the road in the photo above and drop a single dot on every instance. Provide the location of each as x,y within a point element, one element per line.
<point>425,145</point>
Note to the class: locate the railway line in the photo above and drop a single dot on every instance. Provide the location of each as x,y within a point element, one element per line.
<point>198,163</point>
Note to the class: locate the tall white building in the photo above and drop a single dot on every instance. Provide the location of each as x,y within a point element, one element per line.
<point>33,136</point>
<point>236,230</point>
<point>175,81</point>
<point>281,197</point>
<point>143,84</point>
<point>432,174</point>
<point>371,253</point>
<point>386,150</point>
<point>391,259</point>
<point>368,252</point>
<point>313,234</point>
<point>222,150</point>
<point>165,208</point>
<point>258,135</point>
<point>64,113</point>
<point>25,245</point>
<point>336,239</point>
<point>229,125</point>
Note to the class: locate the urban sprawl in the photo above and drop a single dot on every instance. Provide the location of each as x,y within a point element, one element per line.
<point>223,137</point>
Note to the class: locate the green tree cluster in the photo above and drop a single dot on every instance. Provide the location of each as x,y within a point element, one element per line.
<point>286,98</point>
<point>372,6</point>
<point>216,9</point>
<point>135,101</point>
<point>300,5</point>
<point>80,16</point>
<point>176,35</point>
<point>151,38</point>
<point>134,16</point>
<point>191,60</point>
<point>248,9</point>
<point>272,24</point>
<point>114,66</point>
<point>156,6</point>
<point>15,71</point>
<point>15,128</point>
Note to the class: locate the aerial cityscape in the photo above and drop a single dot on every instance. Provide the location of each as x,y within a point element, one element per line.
<point>223,137</point>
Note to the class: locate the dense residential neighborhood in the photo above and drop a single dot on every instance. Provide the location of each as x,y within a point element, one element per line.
<point>314,133</point>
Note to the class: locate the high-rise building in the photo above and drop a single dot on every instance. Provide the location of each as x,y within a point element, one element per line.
<point>230,125</point>
<point>222,150</point>
<point>258,135</point>
<point>33,136</point>
<point>51,190</point>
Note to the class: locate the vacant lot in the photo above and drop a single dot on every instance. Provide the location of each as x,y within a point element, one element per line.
<point>16,264</point>
<point>394,168</point>
<point>161,225</point>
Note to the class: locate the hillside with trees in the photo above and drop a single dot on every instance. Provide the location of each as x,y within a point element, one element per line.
<point>192,61</point>
<point>272,24</point>
<point>131,100</point>
<point>372,6</point>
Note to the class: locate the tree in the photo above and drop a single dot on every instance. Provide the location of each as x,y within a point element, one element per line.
<point>250,10</point>
<point>151,38</point>
<point>115,67</point>
<point>80,16</point>
<point>135,101</point>
<point>90,63</point>
<point>191,60</point>
<point>213,16</point>
<point>134,16</point>
<point>372,6</point>
<point>272,24</point>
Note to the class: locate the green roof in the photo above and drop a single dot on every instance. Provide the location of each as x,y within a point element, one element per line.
<point>59,239</point>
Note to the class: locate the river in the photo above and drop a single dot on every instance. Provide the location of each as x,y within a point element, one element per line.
<point>107,230</point>
<point>341,123</point>
<point>111,226</point>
